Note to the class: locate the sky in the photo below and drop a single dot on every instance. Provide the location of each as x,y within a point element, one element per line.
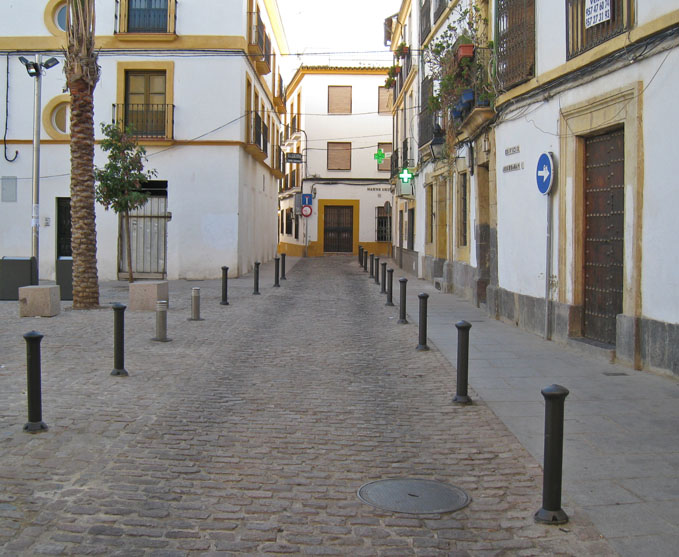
<point>346,32</point>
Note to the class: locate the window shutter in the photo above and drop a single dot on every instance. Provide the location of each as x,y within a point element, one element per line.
<point>386,164</point>
<point>383,101</point>
<point>339,99</point>
<point>339,156</point>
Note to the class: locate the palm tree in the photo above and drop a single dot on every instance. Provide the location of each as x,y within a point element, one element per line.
<point>82,74</point>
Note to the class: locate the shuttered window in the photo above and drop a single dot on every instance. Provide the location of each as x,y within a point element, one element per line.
<point>339,99</point>
<point>386,163</point>
<point>383,99</point>
<point>339,155</point>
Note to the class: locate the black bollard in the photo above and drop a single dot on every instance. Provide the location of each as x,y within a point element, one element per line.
<point>390,287</point>
<point>372,266</point>
<point>34,387</point>
<point>365,261</point>
<point>462,362</point>
<point>383,290</point>
<point>119,340</point>
<point>225,286</point>
<point>283,267</point>
<point>277,271</point>
<point>360,255</point>
<point>377,271</point>
<point>423,321</point>
<point>551,511</point>
<point>402,309</point>
<point>256,290</point>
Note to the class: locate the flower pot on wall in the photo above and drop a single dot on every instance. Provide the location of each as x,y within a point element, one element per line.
<point>467,96</point>
<point>464,51</point>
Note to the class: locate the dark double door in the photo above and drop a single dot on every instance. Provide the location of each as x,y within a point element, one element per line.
<point>338,234</point>
<point>604,234</point>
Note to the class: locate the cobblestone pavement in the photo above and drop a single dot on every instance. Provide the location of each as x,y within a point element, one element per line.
<point>252,430</point>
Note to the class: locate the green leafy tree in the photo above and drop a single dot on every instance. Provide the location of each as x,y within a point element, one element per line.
<point>119,182</point>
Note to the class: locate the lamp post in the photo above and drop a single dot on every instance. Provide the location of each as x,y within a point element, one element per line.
<point>35,69</point>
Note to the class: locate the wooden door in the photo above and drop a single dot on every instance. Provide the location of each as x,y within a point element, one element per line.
<point>338,229</point>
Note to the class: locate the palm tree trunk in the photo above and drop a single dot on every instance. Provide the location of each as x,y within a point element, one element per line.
<point>128,242</point>
<point>83,233</point>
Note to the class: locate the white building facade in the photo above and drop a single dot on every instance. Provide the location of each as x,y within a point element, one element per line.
<point>204,96</point>
<point>338,121</point>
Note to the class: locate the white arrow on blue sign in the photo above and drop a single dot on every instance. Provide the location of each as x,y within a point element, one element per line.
<point>544,173</point>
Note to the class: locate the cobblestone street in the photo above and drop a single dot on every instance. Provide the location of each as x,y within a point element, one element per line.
<point>251,432</point>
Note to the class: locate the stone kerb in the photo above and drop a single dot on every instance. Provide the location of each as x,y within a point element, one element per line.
<point>39,301</point>
<point>144,295</point>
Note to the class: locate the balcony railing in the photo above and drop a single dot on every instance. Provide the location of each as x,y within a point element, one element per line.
<point>150,121</point>
<point>260,133</point>
<point>257,33</point>
<point>405,154</point>
<point>395,168</point>
<point>426,117</point>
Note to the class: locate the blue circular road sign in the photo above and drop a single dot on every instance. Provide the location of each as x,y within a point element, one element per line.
<point>544,173</point>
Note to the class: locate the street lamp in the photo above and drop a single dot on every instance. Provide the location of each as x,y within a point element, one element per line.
<point>35,69</point>
<point>438,143</point>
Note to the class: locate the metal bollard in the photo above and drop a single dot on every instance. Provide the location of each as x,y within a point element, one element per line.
<point>372,265</point>
<point>283,266</point>
<point>377,270</point>
<point>551,511</point>
<point>255,292</point>
<point>161,322</point>
<point>390,287</point>
<point>195,305</point>
<point>119,340</point>
<point>225,286</point>
<point>360,255</point>
<point>365,260</point>
<point>277,272</point>
<point>461,396</point>
<point>423,321</point>
<point>402,309</point>
<point>383,290</point>
<point>34,387</point>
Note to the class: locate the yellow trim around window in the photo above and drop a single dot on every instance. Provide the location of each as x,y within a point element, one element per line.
<point>50,16</point>
<point>47,113</point>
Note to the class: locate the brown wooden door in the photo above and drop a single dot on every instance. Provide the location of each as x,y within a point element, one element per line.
<point>338,229</point>
<point>604,234</point>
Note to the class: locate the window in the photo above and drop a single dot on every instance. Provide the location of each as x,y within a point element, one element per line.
<point>430,213</point>
<point>384,97</point>
<point>411,229</point>
<point>339,155</point>
<point>515,41</point>
<point>60,17</point>
<point>56,117</point>
<point>281,218</point>
<point>147,16</point>
<point>382,225</point>
<point>296,227</point>
<point>339,99</point>
<point>462,210</point>
<point>55,17</point>
<point>288,222</point>
<point>145,108</point>
<point>592,22</point>
<point>60,117</point>
<point>386,163</point>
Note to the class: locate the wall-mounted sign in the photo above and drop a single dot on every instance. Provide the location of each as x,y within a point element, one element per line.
<point>293,158</point>
<point>513,167</point>
<point>597,11</point>
<point>513,150</point>
<point>307,199</point>
<point>306,210</point>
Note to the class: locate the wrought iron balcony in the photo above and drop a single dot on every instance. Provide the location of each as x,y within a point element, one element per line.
<point>259,134</point>
<point>395,168</point>
<point>149,121</point>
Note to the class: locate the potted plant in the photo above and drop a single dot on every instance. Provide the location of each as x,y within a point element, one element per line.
<point>402,50</point>
<point>389,82</point>
<point>394,71</point>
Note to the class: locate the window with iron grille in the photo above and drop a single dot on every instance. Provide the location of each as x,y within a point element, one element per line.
<point>296,227</point>
<point>515,33</point>
<point>147,16</point>
<point>145,110</point>
<point>430,213</point>
<point>462,210</point>
<point>592,22</point>
<point>382,225</point>
<point>439,6</point>
<point>425,20</point>
<point>426,119</point>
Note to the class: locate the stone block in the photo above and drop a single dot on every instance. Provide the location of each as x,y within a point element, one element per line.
<point>39,301</point>
<point>145,294</point>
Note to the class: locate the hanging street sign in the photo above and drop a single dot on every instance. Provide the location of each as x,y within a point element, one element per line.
<point>307,199</point>
<point>379,156</point>
<point>405,176</point>
<point>306,210</point>
<point>293,158</point>
<point>544,173</point>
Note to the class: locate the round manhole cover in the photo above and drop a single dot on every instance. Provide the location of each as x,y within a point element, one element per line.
<point>413,496</point>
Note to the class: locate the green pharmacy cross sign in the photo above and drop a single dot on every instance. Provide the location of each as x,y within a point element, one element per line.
<point>405,176</point>
<point>379,156</point>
